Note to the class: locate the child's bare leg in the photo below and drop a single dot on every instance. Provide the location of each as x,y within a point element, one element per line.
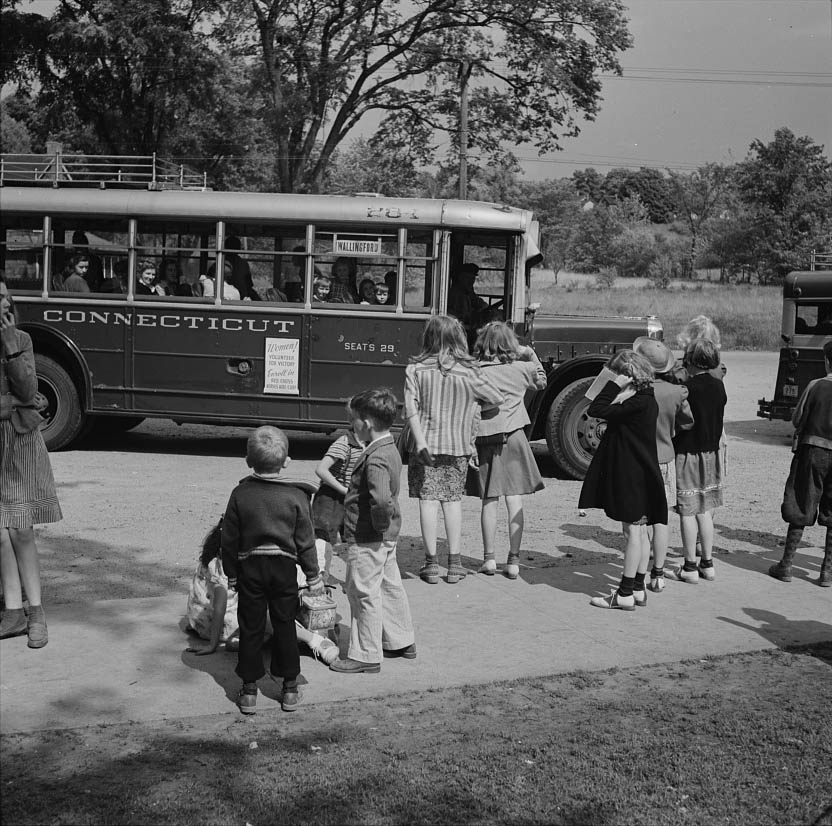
<point>661,536</point>
<point>324,552</point>
<point>452,513</point>
<point>428,514</point>
<point>26,553</point>
<point>689,533</point>
<point>516,523</point>
<point>705,524</point>
<point>9,574</point>
<point>488,524</point>
<point>624,597</point>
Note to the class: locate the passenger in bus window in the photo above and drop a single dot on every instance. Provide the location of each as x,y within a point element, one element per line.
<point>73,277</point>
<point>824,325</point>
<point>95,272</point>
<point>229,290</point>
<point>383,294</point>
<point>367,291</point>
<point>343,282</point>
<point>146,283</point>
<point>391,279</point>
<point>321,287</point>
<point>240,270</point>
<point>170,278</point>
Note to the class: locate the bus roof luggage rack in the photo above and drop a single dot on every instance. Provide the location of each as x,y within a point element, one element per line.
<point>56,169</point>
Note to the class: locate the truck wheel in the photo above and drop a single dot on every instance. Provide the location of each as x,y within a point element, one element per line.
<point>63,414</point>
<point>571,434</point>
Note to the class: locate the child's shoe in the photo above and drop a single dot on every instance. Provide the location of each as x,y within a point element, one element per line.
<point>429,572</point>
<point>13,623</point>
<point>489,567</point>
<point>512,570</point>
<point>781,572</point>
<point>290,699</point>
<point>614,600</point>
<point>707,573</point>
<point>247,698</point>
<point>640,599</point>
<point>36,629</point>
<point>656,584</point>
<point>681,575</point>
<point>456,573</point>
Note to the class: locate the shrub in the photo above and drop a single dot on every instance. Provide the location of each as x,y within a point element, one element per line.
<point>605,278</point>
<point>660,272</point>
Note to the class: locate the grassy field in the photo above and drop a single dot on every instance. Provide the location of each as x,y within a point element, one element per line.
<point>748,316</point>
<point>742,739</point>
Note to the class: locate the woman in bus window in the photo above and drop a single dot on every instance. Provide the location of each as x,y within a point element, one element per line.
<point>229,290</point>
<point>343,282</point>
<point>73,278</point>
<point>146,283</point>
<point>171,278</point>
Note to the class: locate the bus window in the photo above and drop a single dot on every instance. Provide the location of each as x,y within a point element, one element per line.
<point>181,250</point>
<point>268,262</point>
<point>352,259</point>
<point>103,243</point>
<point>21,254</point>
<point>420,267</point>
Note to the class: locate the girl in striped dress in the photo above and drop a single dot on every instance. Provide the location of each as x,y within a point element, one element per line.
<point>27,489</point>
<point>443,390</point>
<point>506,463</point>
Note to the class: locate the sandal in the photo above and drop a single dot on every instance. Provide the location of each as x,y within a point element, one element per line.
<point>429,572</point>
<point>456,573</point>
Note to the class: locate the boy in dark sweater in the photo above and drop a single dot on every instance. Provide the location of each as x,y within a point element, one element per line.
<point>266,532</point>
<point>808,494</point>
<point>380,623</point>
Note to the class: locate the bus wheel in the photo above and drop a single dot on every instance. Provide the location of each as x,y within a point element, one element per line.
<point>63,414</point>
<point>571,434</point>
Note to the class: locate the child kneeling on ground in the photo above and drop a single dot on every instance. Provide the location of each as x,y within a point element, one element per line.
<point>266,532</point>
<point>380,613</point>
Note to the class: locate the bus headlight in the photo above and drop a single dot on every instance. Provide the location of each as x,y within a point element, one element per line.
<point>654,328</point>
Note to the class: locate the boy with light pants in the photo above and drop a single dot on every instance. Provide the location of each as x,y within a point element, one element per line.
<point>380,624</point>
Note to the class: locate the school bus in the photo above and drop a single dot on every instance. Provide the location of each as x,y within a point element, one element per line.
<point>269,351</point>
<point>806,326</point>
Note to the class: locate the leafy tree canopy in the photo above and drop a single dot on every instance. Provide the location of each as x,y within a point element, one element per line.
<point>326,64</point>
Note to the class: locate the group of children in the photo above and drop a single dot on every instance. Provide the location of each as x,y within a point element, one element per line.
<point>663,450</point>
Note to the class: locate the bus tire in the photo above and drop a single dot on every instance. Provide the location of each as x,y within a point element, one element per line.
<point>63,414</point>
<point>571,434</point>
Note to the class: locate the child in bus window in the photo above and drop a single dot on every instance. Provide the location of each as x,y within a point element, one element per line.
<point>321,286</point>
<point>367,291</point>
<point>343,281</point>
<point>383,294</point>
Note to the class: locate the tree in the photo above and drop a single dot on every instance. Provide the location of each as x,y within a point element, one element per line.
<point>14,136</point>
<point>23,44</point>
<point>651,187</point>
<point>120,76</point>
<point>325,64</point>
<point>787,187</point>
<point>700,197</point>
<point>363,167</point>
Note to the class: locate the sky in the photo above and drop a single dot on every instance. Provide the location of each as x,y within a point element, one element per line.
<point>704,79</point>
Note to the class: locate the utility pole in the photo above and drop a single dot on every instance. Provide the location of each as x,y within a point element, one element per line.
<point>463,131</point>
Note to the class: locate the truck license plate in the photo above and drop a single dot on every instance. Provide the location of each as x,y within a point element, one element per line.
<point>790,390</point>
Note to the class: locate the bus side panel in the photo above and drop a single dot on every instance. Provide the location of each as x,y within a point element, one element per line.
<point>101,333</point>
<point>349,354</point>
<point>229,365</point>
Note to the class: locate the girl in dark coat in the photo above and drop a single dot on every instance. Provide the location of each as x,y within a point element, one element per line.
<point>623,478</point>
